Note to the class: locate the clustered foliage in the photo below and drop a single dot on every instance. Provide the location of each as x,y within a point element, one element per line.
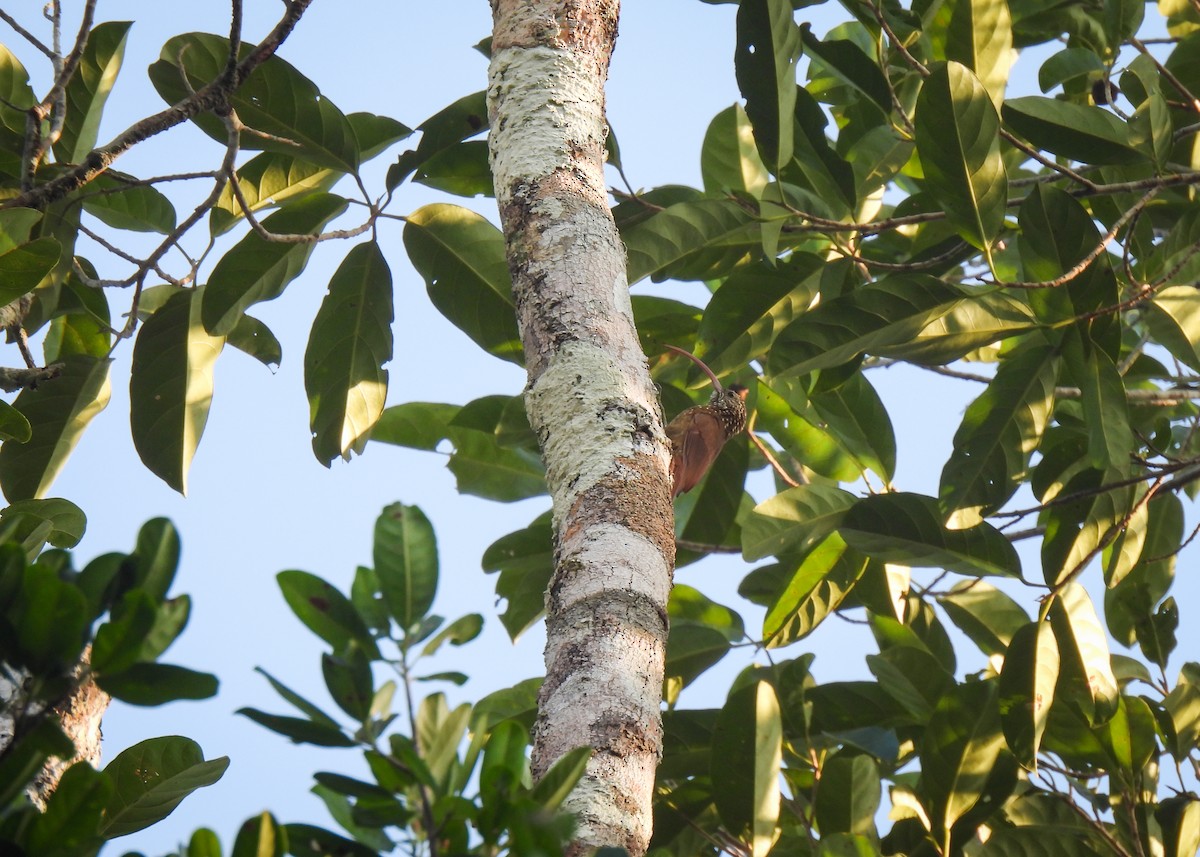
<point>898,206</point>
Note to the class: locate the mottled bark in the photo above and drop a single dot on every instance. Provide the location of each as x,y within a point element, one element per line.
<point>594,407</point>
<point>79,714</point>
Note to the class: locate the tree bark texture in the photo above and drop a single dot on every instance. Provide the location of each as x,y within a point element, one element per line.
<point>594,407</point>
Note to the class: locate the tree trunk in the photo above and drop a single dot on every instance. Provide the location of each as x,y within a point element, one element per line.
<point>594,407</point>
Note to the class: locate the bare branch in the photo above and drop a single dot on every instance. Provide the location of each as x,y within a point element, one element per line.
<point>213,96</point>
<point>25,34</point>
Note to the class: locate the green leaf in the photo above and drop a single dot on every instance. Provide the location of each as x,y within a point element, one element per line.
<point>16,225</point>
<point>998,435</point>
<point>151,778</point>
<point>1182,707</point>
<point>325,611</point>
<point>260,836</point>
<point>155,684</point>
<point>794,520</point>
<point>13,425</point>
<point>350,341</point>
<point>24,267</point>
<point>1068,65</point>
<point>1106,413</point>
<point>462,169</point>
<point>171,386</point>
<point>525,561</point>
<point>304,840</point>
<point>58,412</point>
<point>1173,316</point>
<point>16,97</point>
<point>958,141</point>
<point>406,561</point>
<point>815,590</point>
<point>118,642</point>
<point>268,180</point>
<point>119,201</point>
<point>276,100</point>
<point>1087,675</point>
<point>484,468</point>
<point>848,795</point>
<point>315,714</point>
<point>764,60</point>
<point>729,160</point>
<point>694,240</point>
<point>376,133</point>
<point>979,36</point>
<point>1026,689</point>
<point>554,786</point>
<point>461,257</point>
<point>746,759</point>
<point>961,745</point>
<point>465,118</point>
<point>89,88</point>
<point>461,631</point>
<point>907,529</point>
<point>85,327</point>
<point>298,730</point>
<point>867,320</point>
<point>257,270</point>
<point>67,522</point>
<point>854,414</point>
<point>691,650</point>
<point>253,337</point>
<point>348,680</point>
<point>985,614</point>
<point>1179,817</point>
<point>417,425</point>
<point>1082,133</point>
<point>49,620</point>
<point>849,64</point>
<point>156,557</point>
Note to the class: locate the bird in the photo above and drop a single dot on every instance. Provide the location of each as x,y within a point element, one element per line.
<point>698,433</point>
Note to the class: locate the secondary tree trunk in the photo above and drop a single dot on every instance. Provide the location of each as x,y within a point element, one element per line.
<point>594,407</point>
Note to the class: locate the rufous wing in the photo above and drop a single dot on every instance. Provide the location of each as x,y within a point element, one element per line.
<point>696,438</point>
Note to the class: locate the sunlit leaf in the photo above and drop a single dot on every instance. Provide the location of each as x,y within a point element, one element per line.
<point>1087,675</point>
<point>793,520</point>
<point>998,435</point>
<point>729,160</point>
<point>764,59</point>
<point>907,529</point>
<point>957,136</point>
<point>691,241</point>
<point>89,88</point>
<point>746,759</point>
<point>1027,684</point>
<point>1081,133</point>
<point>276,100</point>
<point>461,257</point>
<point>259,270</point>
<point>867,320</point>
<point>58,412</point>
<point>350,341</point>
<point>960,747</point>
<point>406,561</point>
<point>171,387</point>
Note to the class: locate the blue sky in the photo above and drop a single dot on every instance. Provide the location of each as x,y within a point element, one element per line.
<point>259,501</point>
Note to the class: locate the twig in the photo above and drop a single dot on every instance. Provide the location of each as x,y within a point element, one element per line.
<point>25,34</point>
<point>770,457</point>
<point>12,380</point>
<point>214,96</point>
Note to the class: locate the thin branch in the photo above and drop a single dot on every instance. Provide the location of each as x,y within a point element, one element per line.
<point>25,34</point>
<point>12,380</point>
<point>1087,260</point>
<point>1193,101</point>
<point>213,96</point>
<point>770,457</point>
